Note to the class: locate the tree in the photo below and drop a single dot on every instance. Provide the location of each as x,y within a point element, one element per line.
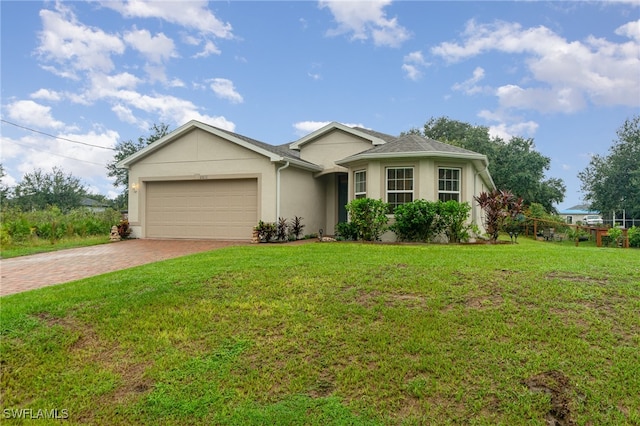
<point>4,189</point>
<point>612,182</point>
<point>38,189</point>
<point>514,165</point>
<point>127,148</point>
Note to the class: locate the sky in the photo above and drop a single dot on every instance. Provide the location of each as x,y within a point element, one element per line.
<point>78,77</point>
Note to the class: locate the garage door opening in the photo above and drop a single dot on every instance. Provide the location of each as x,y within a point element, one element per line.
<point>224,209</point>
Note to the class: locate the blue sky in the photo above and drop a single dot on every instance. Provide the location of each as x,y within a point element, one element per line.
<point>566,74</point>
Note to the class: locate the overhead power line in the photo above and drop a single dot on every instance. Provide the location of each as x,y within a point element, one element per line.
<point>59,155</point>
<point>55,137</point>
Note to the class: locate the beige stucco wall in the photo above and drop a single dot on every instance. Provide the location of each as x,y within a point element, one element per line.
<point>304,196</point>
<point>201,155</point>
<point>331,147</point>
<point>425,181</point>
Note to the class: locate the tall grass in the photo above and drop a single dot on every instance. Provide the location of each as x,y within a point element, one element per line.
<point>21,229</point>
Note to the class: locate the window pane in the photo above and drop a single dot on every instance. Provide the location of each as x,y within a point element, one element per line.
<point>448,184</point>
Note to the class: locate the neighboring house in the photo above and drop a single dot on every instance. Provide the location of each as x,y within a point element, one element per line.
<point>200,181</point>
<point>577,213</point>
<point>93,205</point>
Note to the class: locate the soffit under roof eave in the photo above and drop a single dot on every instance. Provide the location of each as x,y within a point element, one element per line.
<point>300,164</point>
<point>324,172</point>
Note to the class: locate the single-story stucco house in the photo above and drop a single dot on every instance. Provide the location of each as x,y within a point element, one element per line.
<point>200,181</point>
<point>577,213</point>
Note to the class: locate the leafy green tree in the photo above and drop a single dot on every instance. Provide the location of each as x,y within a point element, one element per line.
<point>127,148</point>
<point>4,189</point>
<point>38,189</point>
<point>514,165</point>
<point>612,182</point>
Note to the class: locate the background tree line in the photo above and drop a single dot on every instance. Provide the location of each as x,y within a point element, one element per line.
<point>611,183</point>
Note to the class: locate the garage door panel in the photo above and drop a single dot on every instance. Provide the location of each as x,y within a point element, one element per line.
<point>216,209</point>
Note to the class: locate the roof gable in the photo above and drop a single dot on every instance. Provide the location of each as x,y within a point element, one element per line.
<point>274,153</point>
<point>374,137</point>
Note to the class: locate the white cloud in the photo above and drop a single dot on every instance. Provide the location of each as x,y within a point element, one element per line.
<point>156,49</point>
<point>103,86</point>
<point>508,126</point>
<point>124,113</point>
<point>192,14</point>
<point>47,95</point>
<point>565,75</point>
<point>30,113</point>
<point>169,109</point>
<point>630,30</point>
<point>209,49</point>
<point>40,152</point>
<point>224,89</point>
<point>469,86</point>
<point>216,121</point>
<point>305,127</point>
<point>566,99</point>
<point>413,65</point>
<point>75,46</point>
<point>364,20</point>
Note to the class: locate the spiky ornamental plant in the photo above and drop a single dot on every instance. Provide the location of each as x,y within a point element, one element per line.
<point>498,205</point>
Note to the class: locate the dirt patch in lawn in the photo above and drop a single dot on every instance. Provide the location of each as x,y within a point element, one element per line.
<point>557,386</point>
<point>89,349</point>
<point>575,278</point>
<point>370,299</point>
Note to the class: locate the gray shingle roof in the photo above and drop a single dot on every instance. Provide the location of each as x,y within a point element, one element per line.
<point>385,137</point>
<point>282,150</point>
<point>414,144</point>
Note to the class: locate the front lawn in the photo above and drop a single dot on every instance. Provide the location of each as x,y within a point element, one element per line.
<point>336,333</point>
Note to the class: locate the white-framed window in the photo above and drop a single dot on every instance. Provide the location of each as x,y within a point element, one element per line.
<point>399,186</point>
<point>360,184</point>
<point>449,180</point>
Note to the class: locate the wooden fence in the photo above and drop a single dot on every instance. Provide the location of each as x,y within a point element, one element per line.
<point>601,233</point>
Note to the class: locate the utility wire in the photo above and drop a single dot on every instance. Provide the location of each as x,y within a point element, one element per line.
<point>56,137</point>
<point>59,155</point>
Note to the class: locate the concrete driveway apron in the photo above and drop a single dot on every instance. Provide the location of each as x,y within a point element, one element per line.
<point>40,270</point>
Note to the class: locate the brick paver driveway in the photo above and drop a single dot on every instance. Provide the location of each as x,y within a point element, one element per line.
<point>40,270</point>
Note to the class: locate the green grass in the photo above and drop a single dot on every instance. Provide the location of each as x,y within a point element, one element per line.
<point>38,245</point>
<point>336,334</point>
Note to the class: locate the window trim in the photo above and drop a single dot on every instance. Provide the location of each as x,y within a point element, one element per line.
<point>399,191</point>
<point>459,180</point>
<point>356,193</point>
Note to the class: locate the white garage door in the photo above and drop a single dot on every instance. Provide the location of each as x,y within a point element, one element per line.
<point>213,209</point>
